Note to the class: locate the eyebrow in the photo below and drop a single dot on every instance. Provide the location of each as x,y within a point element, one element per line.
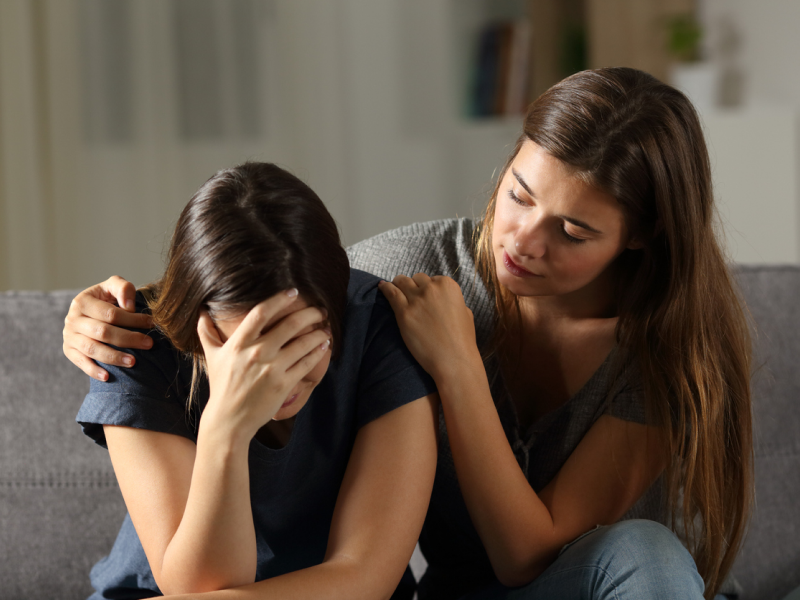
<point>572,220</point>
<point>522,182</point>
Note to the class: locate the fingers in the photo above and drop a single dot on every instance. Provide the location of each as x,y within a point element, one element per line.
<point>208,334</point>
<point>88,305</point>
<point>303,345</point>
<point>421,279</point>
<point>85,364</point>
<point>261,314</point>
<point>292,325</point>
<point>89,349</point>
<point>396,297</point>
<point>302,367</point>
<point>121,290</point>
<point>411,286</point>
<point>104,333</point>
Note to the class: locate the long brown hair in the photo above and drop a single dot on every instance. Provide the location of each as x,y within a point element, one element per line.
<point>248,233</point>
<point>680,315</point>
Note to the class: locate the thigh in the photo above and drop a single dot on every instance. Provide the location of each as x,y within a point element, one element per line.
<point>637,559</point>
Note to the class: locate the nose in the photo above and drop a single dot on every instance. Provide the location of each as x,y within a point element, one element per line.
<point>530,238</point>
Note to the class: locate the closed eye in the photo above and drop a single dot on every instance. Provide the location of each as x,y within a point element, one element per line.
<point>570,238</point>
<point>516,198</point>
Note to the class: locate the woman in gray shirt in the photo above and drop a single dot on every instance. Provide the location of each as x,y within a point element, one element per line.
<point>591,356</point>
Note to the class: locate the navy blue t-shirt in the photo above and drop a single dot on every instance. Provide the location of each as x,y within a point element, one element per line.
<point>293,490</point>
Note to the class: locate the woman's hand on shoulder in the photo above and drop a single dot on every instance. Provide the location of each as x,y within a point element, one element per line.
<point>95,319</point>
<point>436,324</point>
<point>252,373</point>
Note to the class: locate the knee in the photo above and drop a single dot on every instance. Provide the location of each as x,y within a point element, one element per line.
<point>645,552</point>
<point>644,541</point>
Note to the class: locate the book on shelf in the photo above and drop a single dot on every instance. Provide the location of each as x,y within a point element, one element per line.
<point>501,69</point>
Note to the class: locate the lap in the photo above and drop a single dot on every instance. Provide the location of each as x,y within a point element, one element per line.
<point>631,559</point>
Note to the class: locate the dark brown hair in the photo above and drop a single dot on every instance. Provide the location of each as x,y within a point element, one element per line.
<point>249,233</point>
<point>627,134</point>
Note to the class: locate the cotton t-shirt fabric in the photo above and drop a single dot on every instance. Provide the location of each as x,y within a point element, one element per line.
<point>293,489</point>
<point>457,560</point>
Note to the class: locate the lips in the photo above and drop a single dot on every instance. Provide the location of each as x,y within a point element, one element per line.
<point>514,268</point>
<point>291,399</point>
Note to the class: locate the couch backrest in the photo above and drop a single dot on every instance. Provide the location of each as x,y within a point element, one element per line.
<point>769,564</point>
<point>60,507</point>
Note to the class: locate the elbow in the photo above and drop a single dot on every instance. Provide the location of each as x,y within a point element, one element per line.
<point>514,579</point>
<point>171,588</point>
<point>518,571</point>
<point>182,574</point>
<point>519,577</point>
<point>198,582</point>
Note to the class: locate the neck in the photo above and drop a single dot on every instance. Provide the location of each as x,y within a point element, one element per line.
<point>596,300</point>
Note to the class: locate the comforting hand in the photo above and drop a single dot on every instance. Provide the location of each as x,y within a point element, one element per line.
<point>90,325</point>
<point>252,372</point>
<point>436,325</point>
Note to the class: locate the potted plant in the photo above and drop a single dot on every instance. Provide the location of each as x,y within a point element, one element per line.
<point>697,78</point>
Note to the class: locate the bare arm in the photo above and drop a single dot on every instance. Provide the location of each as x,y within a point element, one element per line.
<point>522,531</point>
<point>379,512</point>
<point>95,319</point>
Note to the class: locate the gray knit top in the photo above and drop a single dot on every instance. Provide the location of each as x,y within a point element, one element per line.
<point>458,563</point>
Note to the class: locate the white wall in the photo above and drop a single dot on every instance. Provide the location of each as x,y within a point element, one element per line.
<point>361,99</point>
<point>754,139</point>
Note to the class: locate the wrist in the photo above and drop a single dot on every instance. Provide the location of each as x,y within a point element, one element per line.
<point>459,369</point>
<point>223,434</point>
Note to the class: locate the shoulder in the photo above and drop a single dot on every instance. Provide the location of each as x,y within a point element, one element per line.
<point>367,310</point>
<point>436,247</point>
<point>374,363</point>
<point>625,398</point>
<point>157,366</point>
<point>445,247</point>
<point>149,395</point>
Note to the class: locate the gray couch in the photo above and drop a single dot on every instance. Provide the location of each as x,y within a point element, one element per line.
<point>60,507</point>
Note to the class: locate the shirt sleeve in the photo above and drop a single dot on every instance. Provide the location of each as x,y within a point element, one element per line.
<point>390,375</point>
<point>628,403</point>
<point>150,395</point>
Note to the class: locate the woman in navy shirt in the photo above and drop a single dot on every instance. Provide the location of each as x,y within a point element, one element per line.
<point>303,462</point>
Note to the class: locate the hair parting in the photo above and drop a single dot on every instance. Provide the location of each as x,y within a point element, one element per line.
<point>247,234</point>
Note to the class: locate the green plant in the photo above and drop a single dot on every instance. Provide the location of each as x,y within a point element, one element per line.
<point>683,37</point>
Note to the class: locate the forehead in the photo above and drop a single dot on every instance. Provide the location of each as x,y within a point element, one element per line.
<point>554,182</point>
<point>227,323</point>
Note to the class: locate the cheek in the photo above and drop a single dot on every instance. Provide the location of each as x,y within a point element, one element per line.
<point>584,263</point>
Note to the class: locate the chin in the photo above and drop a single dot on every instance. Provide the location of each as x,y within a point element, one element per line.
<point>521,287</point>
<point>291,410</point>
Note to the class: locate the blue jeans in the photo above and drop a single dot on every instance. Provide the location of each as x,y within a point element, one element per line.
<point>637,559</point>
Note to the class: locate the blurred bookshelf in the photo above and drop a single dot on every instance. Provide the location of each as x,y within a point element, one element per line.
<point>515,50</point>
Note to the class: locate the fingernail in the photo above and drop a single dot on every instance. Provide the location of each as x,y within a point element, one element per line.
<point>291,293</point>
<point>325,344</point>
<point>327,330</point>
<point>128,361</point>
<point>148,343</point>
<point>102,376</point>
<point>129,304</point>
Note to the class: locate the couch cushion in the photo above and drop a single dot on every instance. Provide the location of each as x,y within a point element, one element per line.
<point>60,508</point>
<point>769,565</point>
